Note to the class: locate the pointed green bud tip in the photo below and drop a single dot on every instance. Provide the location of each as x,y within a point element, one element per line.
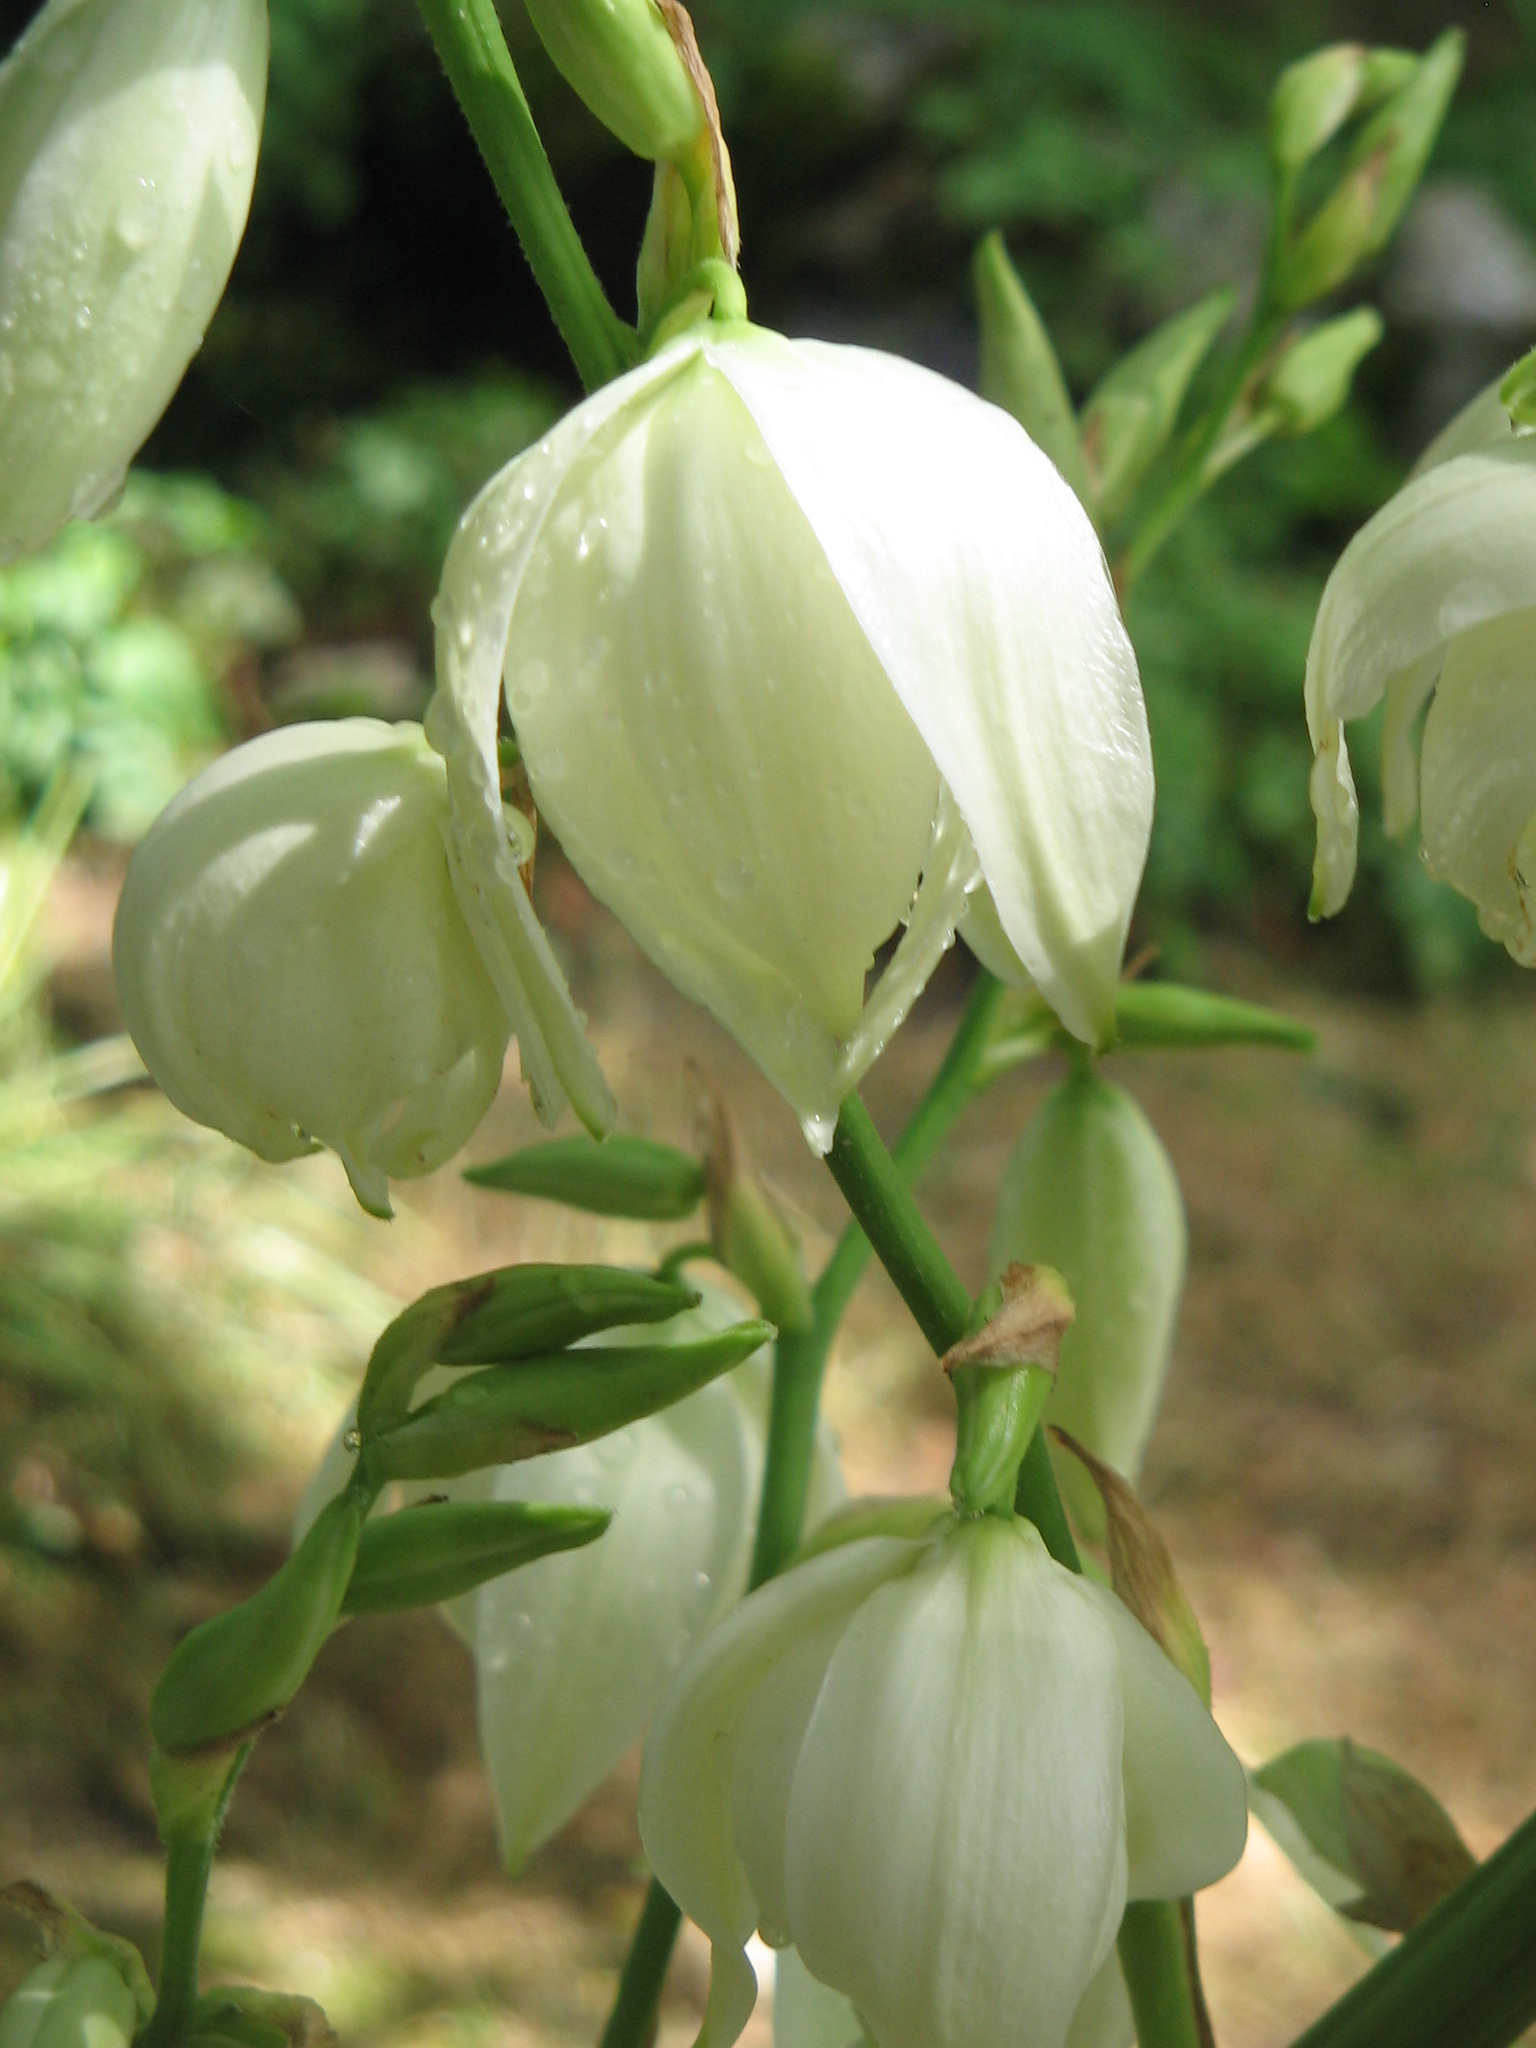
<point>1312,101</point>
<point>617,1176</point>
<point>1168,1014</point>
<point>128,138</point>
<point>1517,392</point>
<point>235,1673</point>
<point>550,1403</point>
<point>293,962</point>
<point>750,1233</point>
<point>1019,370</point>
<point>438,1550</point>
<point>632,62</point>
<point>1312,379</point>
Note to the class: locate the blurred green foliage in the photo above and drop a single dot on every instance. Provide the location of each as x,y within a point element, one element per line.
<point>119,645</point>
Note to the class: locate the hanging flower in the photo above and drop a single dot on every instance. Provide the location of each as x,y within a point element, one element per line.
<point>571,1664</point>
<point>807,2015</point>
<point>1433,603</point>
<point>297,967</point>
<point>803,644</point>
<point>128,138</point>
<point>940,1768</point>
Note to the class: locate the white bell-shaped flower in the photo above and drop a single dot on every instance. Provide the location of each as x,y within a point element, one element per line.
<point>295,963</point>
<point>802,644</point>
<point>1433,603</point>
<point>128,139</point>
<point>940,1768</point>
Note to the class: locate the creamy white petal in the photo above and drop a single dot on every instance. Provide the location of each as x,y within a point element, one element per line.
<point>982,588</point>
<point>1186,1799</point>
<point>710,735</point>
<point>687,1775</point>
<point>985,936</point>
<point>1337,810</point>
<point>1449,551</point>
<point>1479,777</point>
<point>809,2014</point>
<point>1406,695</point>
<point>956,1849</point>
<point>1104,2018</point>
<point>482,576</point>
<point>1482,423</point>
<point>128,138</point>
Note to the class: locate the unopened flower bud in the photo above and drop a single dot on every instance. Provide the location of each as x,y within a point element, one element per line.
<point>1311,381</point>
<point>294,962</point>
<point>1091,1190</point>
<point>128,137</point>
<point>625,60</point>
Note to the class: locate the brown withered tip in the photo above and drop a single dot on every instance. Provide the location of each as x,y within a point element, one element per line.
<point>1036,1314</point>
<point>680,27</point>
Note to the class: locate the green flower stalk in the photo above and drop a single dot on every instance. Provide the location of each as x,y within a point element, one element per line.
<point>803,645</point>
<point>303,960</point>
<point>128,139</point>
<point>940,1767</point>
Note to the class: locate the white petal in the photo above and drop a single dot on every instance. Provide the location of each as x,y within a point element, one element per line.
<point>1337,810</point>
<point>1407,694</point>
<point>128,138</point>
<point>482,576</point>
<point>709,733</point>
<point>1449,551</point>
<point>687,1821</point>
<point>1479,777</point>
<point>983,590</point>
<point>1104,2018</point>
<point>1186,1799</point>
<point>806,2014</point>
<point>956,1849</point>
<point>1482,423</point>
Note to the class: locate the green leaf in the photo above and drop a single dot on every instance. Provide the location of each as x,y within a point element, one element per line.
<point>1128,419</point>
<point>612,1177</point>
<point>494,1318</point>
<point>440,1549</point>
<point>1390,1850</point>
<point>1019,370</point>
<point>546,1404</point>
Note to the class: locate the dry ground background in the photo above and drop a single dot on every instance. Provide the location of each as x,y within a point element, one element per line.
<point>1343,1468</point>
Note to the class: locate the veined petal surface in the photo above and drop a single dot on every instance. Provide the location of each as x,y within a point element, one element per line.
<point>982,589</point>
<point>956,1849</point>
<point>1479,777</point>
<point>1186,1799</point>
<point>687,1778</point>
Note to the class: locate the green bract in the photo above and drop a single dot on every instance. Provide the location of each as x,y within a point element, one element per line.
<point>803,644</point>
<point>128,137</point>
<point>1433,603</point>
<point>940,1768</point>
<point>295,962</point>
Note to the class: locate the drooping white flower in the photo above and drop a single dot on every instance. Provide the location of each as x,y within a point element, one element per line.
<point>803,643</point>
<point>296,966</point>
<point>1433,603</point>
<point>571,1664</point>
<point>939,1768</point>
<point>806,2014</point>
<point>128,139</point>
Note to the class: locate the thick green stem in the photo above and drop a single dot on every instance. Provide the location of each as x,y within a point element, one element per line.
<point>633,2019</point>
<point>1156,1957</point>
<point>188,1865</point>
<point>474,53</point>
<point>800,1362</point>
<point>1465,1977</point>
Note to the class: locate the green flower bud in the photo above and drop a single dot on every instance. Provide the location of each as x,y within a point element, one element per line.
<point>64,2003</point>
<point>1129,417</point>
<point>620,1177</point>
<point>622,58</point>
<point>293,961</point>
<point>1091,1191</point>
<point>128,136</point>
<point>1311,381</point>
